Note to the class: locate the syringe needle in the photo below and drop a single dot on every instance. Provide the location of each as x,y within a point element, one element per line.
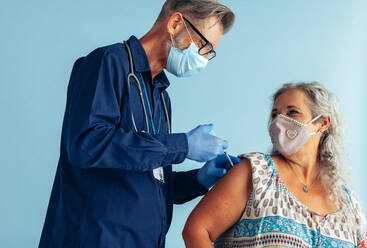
<point>229,158</point>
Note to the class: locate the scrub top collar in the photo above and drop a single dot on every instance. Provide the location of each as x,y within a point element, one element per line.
<point>141,63</point>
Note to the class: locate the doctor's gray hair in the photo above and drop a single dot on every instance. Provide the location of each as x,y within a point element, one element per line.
<point>198,10</point>
<point>330,158</point>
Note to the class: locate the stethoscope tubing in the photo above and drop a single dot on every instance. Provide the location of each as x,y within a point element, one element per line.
<point>137,82</point>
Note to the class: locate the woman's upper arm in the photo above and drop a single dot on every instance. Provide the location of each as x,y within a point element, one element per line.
<point>225,203</point>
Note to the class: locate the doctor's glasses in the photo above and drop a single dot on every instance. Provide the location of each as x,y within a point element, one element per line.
<point>207,47</point>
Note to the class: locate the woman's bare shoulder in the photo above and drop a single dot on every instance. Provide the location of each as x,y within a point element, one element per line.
<point>240,174</point>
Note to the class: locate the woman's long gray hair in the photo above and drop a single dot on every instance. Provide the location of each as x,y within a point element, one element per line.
<point>330,158</point>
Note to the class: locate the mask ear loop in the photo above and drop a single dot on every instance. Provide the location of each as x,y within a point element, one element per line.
<point>187,30</point>
<point>173,43</point>
<point>311,121</point>
<point>314,119</point>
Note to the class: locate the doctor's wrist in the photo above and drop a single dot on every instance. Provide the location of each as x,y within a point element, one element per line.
<point>177,147</point>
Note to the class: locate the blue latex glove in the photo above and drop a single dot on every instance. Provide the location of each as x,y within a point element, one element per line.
<point>202,145</point>
<point>214,170</point>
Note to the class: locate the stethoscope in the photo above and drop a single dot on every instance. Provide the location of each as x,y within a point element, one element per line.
<point>137,82</point>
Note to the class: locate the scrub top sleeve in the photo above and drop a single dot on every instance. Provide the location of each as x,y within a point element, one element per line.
<point>92,134</point>
<point>187,186</point>
<point>177,147</point>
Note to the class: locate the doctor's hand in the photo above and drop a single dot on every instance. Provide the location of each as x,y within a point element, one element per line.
<point>222,161</point>
<point>202,145</point>
<point>214,170</point>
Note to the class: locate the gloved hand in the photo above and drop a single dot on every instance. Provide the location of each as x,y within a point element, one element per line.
<point>202,145</point>
<point>214,170</point>
<point>222,161</point>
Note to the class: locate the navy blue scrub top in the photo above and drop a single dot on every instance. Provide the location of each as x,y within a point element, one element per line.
<point>104,194</point>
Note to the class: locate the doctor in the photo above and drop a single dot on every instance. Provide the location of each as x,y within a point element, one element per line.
<point>114,185</point>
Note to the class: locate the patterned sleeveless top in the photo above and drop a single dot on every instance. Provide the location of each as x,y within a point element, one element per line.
<point>273,217</point>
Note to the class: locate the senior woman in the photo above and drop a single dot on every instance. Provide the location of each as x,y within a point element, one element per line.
<point>295,197</point>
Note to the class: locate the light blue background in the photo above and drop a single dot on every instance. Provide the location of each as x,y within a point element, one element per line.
<point>272,42</point>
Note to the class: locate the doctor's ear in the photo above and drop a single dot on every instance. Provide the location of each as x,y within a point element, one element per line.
<point>175,24</point>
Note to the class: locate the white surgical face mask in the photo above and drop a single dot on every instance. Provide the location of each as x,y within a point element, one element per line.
<point>187,62</point>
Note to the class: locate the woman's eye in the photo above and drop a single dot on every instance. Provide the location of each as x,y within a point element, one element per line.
<point>293,112</point>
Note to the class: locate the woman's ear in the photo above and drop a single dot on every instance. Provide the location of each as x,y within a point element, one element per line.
<point>175,24</point>
<point>325,124</point>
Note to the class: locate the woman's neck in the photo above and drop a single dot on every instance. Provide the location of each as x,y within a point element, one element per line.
<point>306,167</point>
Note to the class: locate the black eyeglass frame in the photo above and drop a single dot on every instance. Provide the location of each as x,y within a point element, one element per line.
<point>212,52</point>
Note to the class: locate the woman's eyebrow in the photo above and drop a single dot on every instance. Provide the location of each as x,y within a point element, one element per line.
<point>288,107</point>
<point>291,106</point>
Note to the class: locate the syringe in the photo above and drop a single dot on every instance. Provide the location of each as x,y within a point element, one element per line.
<point>225,152</point>
<point>229,158</point>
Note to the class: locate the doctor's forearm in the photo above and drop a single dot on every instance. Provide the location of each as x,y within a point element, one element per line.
<point>176,146</point>
<point>105,146</point>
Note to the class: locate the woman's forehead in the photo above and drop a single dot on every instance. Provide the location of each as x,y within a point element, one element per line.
<point>293,97</point>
